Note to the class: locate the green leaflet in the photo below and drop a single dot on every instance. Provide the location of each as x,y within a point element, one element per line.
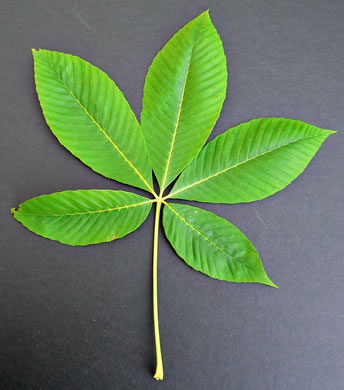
<point>85,216</point>
<point>250,162</point>
<point>90,117</point>
<point>212,245</point>
<point>183,95</point>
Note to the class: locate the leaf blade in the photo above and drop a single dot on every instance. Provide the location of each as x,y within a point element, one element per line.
<point>84,217</point>
<point>250,161</point>
<point>183,94</point>
<point>212,245</point>
<point>84,107</point>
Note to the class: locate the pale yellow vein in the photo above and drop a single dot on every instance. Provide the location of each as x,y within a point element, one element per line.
<point>109,138</point>
<point>236,165</point>
<point>88,212</point>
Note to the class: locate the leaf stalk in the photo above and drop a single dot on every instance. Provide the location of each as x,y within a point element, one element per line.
<point>159,373</point>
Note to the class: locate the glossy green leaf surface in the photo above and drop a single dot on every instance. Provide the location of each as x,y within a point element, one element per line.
<point>90,117</point>
<point>250,162</point>
<point>85,216</point>
<point>183,95</point>
<point>212,245</point>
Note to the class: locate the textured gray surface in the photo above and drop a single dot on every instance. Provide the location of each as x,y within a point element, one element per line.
<point>81,318</point>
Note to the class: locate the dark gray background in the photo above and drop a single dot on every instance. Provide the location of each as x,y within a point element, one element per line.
<point>81,318</point>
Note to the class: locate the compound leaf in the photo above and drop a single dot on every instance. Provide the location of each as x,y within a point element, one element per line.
<point>183,95</point>
<point>212,245</point>
<point>90,117</point>
<point>250,162</point>
<point>84,217</point>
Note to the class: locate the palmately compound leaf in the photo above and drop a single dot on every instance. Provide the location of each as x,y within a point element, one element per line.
<point>90,117</point>
<point>250,162</point>
<point>183,95</point>
<point>212,245</point>
<point>84,217</point>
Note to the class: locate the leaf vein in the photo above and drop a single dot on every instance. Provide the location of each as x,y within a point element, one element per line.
<point>207,239</point>
<point>179,114</point>
<point>236,165</point>
<point>88,212</point>
<point>108,138</point>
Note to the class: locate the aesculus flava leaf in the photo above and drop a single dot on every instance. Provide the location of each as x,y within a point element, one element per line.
<point>84,217</point>
<point>250,162</point>
<point>183,95</point>
<point>182,98</point>
<point>212,245</point>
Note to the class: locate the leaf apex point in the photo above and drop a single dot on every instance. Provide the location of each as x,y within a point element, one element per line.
<point>268,282</point>
<point>204,13</point>
<point>272,284</point>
